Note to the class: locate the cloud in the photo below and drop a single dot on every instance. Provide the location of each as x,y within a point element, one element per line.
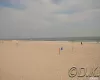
<point>51,18</point>
<point>56,1</point>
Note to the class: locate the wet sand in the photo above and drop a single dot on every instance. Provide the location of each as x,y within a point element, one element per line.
<point>40,60</point>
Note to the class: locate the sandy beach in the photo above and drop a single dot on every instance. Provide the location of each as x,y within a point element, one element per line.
<point>40,60</point>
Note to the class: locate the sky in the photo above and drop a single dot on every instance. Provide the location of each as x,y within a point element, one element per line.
<point>51,18</point>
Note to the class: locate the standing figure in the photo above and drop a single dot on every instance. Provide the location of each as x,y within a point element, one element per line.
<point>81,43</point>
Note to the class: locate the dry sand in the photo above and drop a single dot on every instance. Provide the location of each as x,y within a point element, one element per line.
<point>40,60</point>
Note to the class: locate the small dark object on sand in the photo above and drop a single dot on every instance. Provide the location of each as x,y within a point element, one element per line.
<point>81,43</point>
<point>61,48</point>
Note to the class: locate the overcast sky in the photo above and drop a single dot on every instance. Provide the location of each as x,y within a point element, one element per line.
<point>51,18</point>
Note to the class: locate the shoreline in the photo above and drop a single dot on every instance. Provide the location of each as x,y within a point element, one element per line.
<point>87,41</point>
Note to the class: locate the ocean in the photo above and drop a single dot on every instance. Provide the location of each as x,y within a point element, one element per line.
<point>76,39</point>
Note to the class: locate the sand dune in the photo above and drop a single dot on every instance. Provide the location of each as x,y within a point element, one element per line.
<point>40,60</point>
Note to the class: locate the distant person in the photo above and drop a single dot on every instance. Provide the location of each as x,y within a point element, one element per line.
<point>81,43</point>
<point>61,48</point>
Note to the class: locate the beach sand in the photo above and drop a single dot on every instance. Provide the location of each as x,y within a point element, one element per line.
<point>40,60</point>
